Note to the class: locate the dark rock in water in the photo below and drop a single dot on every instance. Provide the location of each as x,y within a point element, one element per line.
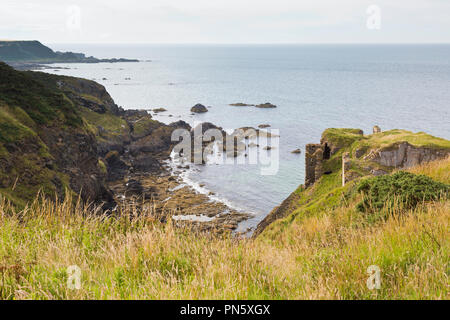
<point>266,105</point>
<point>263,126</point>
<point>240,104</point>
<point>297,151</point>
<point>136,113</point>
<point>199,108</point>
<point>158,110</point>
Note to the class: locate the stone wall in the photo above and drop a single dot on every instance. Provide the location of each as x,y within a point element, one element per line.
<point>346,162</point>
<point>313,163</point>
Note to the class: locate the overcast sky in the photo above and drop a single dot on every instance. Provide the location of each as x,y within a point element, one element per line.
<point>226,21</point>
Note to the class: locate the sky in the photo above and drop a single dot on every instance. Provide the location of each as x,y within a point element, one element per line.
<point>226,21</point>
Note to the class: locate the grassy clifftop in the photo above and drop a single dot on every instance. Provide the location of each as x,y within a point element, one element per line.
<point>366,155</point>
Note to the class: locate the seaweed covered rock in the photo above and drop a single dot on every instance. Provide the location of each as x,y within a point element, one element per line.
<point>199,108</point>
<point>266,105</point>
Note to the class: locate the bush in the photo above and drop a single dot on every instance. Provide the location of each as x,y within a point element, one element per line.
<point>403,187</point>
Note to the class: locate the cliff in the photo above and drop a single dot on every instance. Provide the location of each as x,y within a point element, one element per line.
<point>61,134</point>
<point>341,159</point>
<point>23,54</point>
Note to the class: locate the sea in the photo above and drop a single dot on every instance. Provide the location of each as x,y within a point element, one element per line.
<point>314,87</point>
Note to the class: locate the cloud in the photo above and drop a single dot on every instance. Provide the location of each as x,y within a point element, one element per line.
<point>225,21</point>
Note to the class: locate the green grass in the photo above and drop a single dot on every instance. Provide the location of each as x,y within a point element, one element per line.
<point>113,126</point>
<point>342,137</point>
<point>42,104</point>
<point>144,126</point>
<point>389,139</point>
<point>12,130</point>
<point>102,166</point>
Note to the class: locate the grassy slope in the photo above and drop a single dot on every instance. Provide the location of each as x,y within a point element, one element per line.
<point>328,192</point>
<point>33,101</point>
<point>26,106</point>
<point>347,137</point>
<point>322,255</point>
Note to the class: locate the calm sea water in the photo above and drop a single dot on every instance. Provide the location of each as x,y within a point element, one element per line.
<point>314,86</point>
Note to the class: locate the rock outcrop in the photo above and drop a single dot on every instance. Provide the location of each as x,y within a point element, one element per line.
<point>266,105</point>
<point>63,133</point>
<point>240,104</point>
<point>404,155</point>
<point>46,145</point>
<point>199,108</point>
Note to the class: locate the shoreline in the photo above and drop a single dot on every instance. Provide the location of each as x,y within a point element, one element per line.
<point>170,196</point>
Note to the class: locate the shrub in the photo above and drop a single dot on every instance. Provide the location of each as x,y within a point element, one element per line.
<point>403,187</point>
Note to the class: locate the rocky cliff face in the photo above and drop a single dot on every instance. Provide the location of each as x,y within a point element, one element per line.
<point>44,145</point>
<point>404,155</point>
<point>62,133</point>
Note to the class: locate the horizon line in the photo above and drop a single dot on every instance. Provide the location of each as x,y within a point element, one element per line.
<point>246,43</point>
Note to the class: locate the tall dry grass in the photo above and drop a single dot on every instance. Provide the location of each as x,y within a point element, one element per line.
<point>437,170</point>
<point>138,258</point>
<point>130,257</point>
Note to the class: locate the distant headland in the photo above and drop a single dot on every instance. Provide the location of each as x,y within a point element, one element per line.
<point>35,55</point>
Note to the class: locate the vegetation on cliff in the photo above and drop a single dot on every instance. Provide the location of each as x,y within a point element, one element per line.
<point>31,114</point>
<point>65,136</point>
<point>401,188</point>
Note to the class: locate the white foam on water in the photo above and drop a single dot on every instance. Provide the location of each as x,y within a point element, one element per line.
<point>187,180</point>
